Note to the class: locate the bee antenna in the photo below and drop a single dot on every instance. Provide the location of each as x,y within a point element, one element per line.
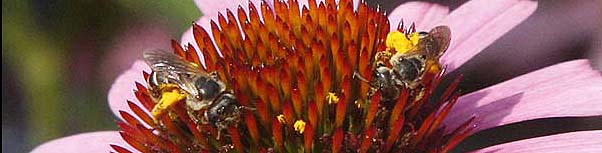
<point>359,76</point>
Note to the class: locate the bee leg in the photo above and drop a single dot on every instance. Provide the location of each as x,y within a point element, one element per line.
<point>220,127</point>
<point>205,119</point>
<point>371,92</point>
<point>360,77</point>
<point>214,75</point>
<point>411,85</point>
<point>219,133</point>
<point>248,108</point>
<point>420,95</point>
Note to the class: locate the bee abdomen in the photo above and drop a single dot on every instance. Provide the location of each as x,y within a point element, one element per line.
<point>409,68</point>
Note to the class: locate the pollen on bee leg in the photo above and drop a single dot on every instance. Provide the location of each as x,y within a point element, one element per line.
<point>399,42</point>
<point>168,98</point>
<point>414,38</point>
<point>299,126</point>
<point>434,67</point>
<point>332,98</point>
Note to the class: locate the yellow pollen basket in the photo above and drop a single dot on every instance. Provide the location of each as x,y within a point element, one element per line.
<point>169,97</point>
<point>400,42</point>
<point>299,126</point>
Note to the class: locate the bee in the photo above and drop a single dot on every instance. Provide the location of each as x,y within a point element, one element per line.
<point>202,91</point>
<point>408,67</point>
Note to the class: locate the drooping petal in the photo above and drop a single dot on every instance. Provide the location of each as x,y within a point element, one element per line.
<point>563,90</point>
<point>477,24</point>
<point>122,88</point>
<point>424,15</point>
<point>93,142</point>
<point>574,142</point>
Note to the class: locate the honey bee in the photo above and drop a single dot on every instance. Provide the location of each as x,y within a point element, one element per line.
<point>408,67</point>
<point>172,75</point>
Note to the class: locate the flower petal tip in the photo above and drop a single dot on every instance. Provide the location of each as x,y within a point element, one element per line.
<point>121,90</point>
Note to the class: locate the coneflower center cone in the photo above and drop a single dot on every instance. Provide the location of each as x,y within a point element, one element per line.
<point>294,67</point>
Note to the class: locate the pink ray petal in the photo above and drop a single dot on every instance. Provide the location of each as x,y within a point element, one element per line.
<point>562,90</point>
<point>573,142</point>
<point>477,24</point>
<point>122,88</point>
<point>92,142</point>
<point>212,7</point>
<point>424,15</point>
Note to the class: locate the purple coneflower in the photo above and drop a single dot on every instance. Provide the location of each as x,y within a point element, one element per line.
<point>294,64</point>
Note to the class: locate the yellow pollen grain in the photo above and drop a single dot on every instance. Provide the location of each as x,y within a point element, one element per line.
<point>299,126</point>
<point>399,42</point>
<point>168,98</point>
<point>414,38</point>
<point>281,118</point>
<point>332,98</point>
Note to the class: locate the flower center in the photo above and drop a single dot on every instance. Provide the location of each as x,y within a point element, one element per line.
<point>307,79</point>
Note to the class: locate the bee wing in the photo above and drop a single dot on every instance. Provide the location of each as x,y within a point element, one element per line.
<point>163,61</point>
<point>440,37</point>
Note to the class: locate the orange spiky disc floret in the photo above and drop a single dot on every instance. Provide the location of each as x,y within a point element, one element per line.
<point>294,67</point>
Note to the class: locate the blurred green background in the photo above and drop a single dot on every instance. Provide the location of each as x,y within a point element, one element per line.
<point>59,57</point>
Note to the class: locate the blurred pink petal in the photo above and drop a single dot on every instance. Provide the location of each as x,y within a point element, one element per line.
<point>574,142</point>
<point>562,90</point>
<point>128,46</point>
<point>477,24</point>
<point>424,15</point>
<point>122,88</point>
<point>92,142</point>
<point>210,8</point>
